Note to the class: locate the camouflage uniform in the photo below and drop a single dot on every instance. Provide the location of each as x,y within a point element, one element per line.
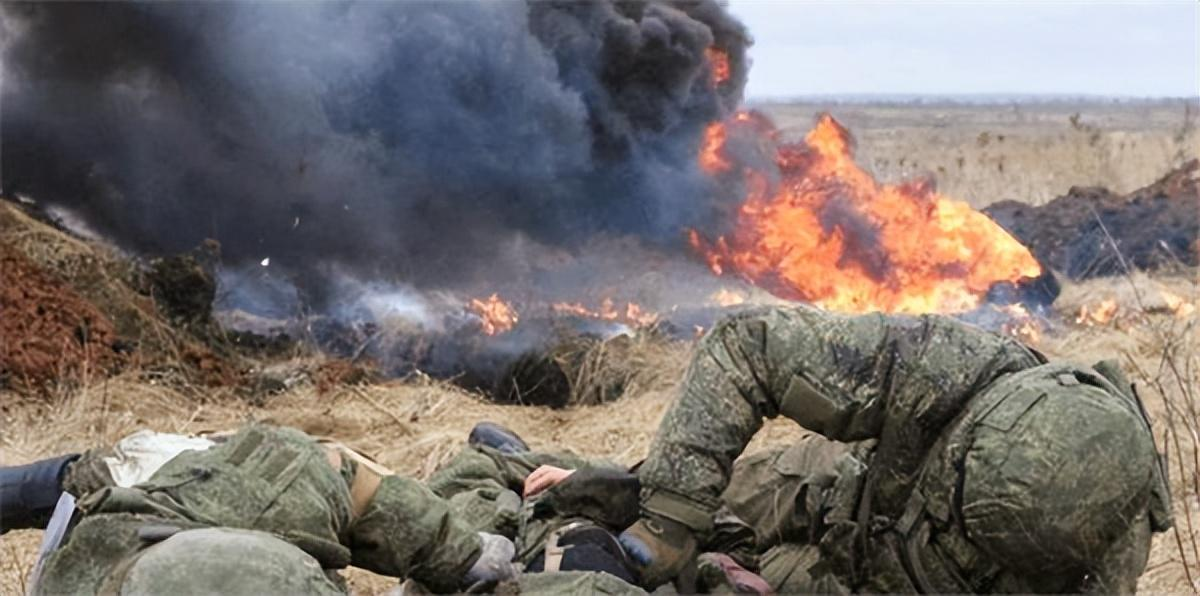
<point>481,486</point>
<point>266,488</point>
<point>963,462</point>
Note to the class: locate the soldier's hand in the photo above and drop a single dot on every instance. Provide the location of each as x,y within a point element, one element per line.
<point>543,478</point>
<point>662,549</point>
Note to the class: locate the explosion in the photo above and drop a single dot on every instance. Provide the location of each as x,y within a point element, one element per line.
<point>815,226</point>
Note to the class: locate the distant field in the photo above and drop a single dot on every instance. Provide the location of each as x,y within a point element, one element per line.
<point>1026,151</point>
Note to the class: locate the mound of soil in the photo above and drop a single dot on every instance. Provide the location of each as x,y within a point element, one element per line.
<point>47,331</point>
<point>1152,228</point>
<point>68,305</point>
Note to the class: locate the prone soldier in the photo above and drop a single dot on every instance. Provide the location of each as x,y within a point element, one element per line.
<point>265,510</point>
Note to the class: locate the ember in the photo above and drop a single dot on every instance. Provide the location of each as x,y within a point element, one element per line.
<point>495,315</point>
<point>814,226</point>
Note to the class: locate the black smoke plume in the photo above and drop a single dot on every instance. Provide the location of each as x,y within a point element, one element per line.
<point>396,139</point>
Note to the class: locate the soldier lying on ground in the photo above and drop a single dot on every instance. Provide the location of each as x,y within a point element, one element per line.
<point>265,510</point>
<point>953,460</point>
<point>565,520</point>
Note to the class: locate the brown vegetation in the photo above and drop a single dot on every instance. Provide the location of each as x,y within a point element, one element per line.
<point>47,331</point>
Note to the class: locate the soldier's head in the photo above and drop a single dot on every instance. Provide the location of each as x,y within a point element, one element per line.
<point>1060,477</point>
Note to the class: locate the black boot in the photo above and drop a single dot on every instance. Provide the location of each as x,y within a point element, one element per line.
<point>29,493</point>
<point>497,437</point>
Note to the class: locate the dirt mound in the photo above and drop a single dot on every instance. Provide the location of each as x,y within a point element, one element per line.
<point>70,305</point>
<point>47,331</point>
<point>1153,227</point>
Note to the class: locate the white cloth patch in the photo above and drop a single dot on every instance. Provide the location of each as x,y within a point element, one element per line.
<point>141,454</point>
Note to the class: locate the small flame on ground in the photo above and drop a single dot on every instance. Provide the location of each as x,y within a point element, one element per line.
<point>816,227</point>
<point>1099,313</point>
<point>1178,305</point>
<point>727,297</point>
<point>633,314</point>
<point>1022,324</point>
<point>495,315</point>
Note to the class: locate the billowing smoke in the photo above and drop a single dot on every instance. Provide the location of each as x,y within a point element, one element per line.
<point>397,140</point>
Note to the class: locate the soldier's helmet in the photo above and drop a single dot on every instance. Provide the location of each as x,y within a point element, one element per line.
<point>1059,473</point>
<point>222,561</point>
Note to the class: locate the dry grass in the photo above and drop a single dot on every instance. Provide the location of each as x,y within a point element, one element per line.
<point>1028,152</point>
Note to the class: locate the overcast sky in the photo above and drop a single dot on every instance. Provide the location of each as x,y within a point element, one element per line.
<point>806,47</point>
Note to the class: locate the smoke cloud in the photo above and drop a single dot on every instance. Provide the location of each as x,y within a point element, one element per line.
<point>402,140</point>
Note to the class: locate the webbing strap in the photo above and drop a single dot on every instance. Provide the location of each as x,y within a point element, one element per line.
<point>368,475</point>
<point>680,509</point>
<point>556,552</point>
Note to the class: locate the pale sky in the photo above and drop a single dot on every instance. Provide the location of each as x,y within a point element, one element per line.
<point>805,47</point>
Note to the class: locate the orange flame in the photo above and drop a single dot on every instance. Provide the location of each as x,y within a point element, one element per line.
<point>1177,304</point>
<point>495,315</point>
<point>1099,313</point>
<point>633,314</point>
<point>718,62</point>
<point>814,226</point>
<point>1021,324</point>
<point>712,158</point>
<point>727,297</point>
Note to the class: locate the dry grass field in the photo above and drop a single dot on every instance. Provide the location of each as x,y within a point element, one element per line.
<point>1030,152</point>
<point>981,154</point>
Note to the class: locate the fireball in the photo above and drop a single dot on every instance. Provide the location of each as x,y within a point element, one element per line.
<point>816,227</point>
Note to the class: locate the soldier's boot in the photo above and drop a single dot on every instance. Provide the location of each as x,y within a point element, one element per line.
<point>29,493</point>
<point>490,434</point>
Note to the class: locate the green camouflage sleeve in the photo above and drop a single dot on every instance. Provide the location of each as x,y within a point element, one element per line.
<point>837,375</point>
<point>407,531</point>
<point>483,485</point>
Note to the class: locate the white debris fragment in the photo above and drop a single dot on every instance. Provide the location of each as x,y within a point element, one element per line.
<point>265,262</point>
